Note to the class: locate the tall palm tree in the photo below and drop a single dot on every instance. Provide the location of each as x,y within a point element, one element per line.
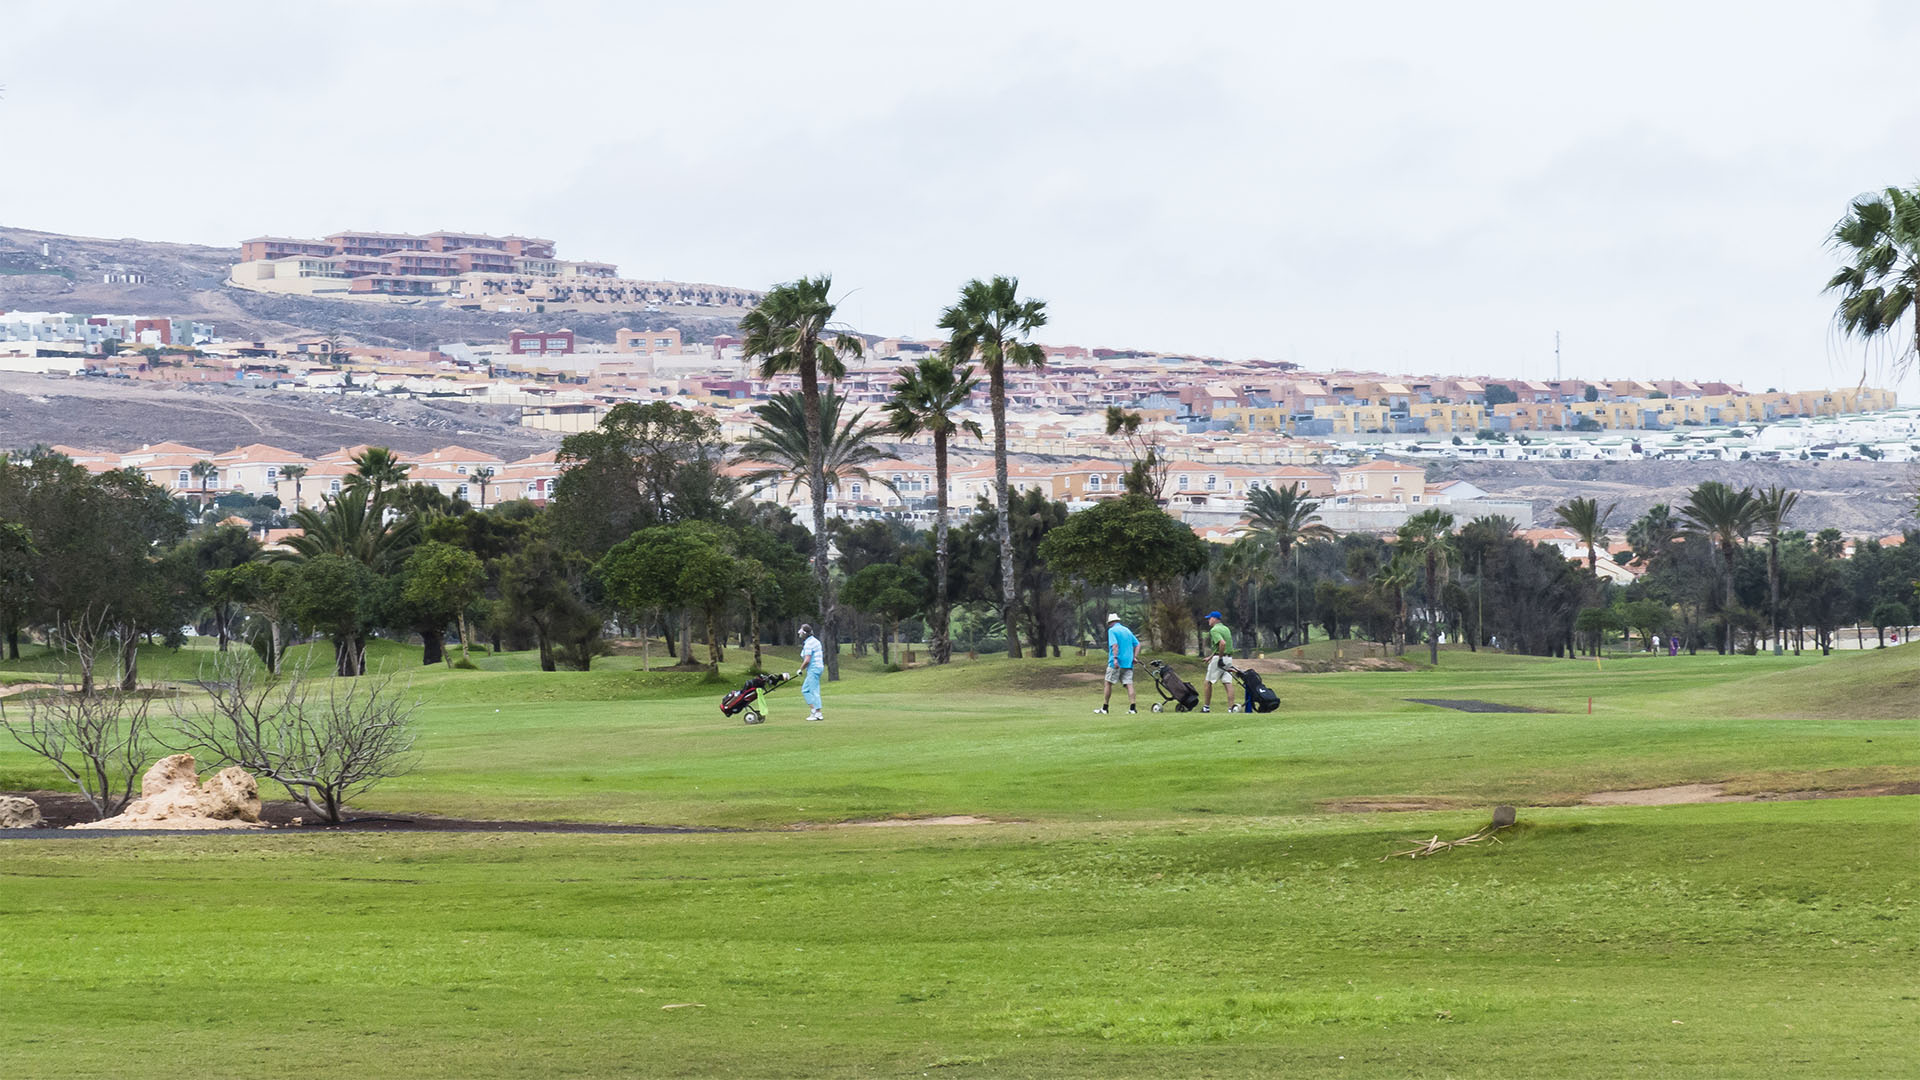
<point>1287,516</point>
<point>1427,539</point>
<point>483,476</point>
<point>294,473</point>
<point>204,471</point>
<point>376,471</point>
<point>1248,562</point>
<point>1879,240</point>
<point>992,322</point>
<point>925,399</point>
<point>791,329</point>
<point>354,529</point>
<point>1722,517</point>
<point>1775,504</point>
<point>779,440</point>
<point>1588,522</point>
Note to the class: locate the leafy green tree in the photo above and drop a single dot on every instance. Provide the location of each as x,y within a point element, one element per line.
<point>927,398</point>
<point>1148,473</point>
<point>17,559</point>
<point>1888,613</point>
<point>889,591</point>
<point>686,565</point>
<point>444,581</point>
<point>1126,540</point>
<point>792,330</point>
<point>264,588</point>
<point>356,528</point>
<point>992,322</point>
<point>1879,242</point>
<point>643,465</point>
<point>541,585</point>
<point>222,548</point>
<point>337,596</point>
<point>1645,619</point>
<point>1497,394</point>
<point>1587,521</point>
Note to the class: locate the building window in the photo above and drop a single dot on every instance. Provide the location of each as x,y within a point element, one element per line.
<point>1093,483</point>
<point>461,492</point>
<point>273,475</point>
<point>461,469</point>
<point>333,486</point>
<point>185,478</point>
<point>1184,479</point>
<point>854,488</point>
<point>1211,480</point>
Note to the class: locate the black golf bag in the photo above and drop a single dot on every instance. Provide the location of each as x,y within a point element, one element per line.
<point>747,698</point>
<point>1260,696</point>
<point>1173,688</point>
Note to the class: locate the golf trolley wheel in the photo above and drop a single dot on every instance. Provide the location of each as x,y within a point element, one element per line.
<point>1233,708</point>
<point>752,717</point>
<point>1156,706</point>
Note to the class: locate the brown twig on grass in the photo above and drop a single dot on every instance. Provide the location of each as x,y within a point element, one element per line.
<point>1503,817</point>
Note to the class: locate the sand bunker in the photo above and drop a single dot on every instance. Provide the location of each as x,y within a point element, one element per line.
<point>951,819</point>
<point>172,797</point>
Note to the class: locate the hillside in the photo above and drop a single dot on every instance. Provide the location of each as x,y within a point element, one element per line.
<point>186,280</point>
<point>1856,497</point>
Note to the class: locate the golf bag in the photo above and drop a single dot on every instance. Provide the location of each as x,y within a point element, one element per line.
<point>1260,696</point>
<point>1173,688</point>
<point>747,698</point>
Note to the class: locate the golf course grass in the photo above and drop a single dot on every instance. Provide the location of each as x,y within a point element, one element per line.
<point>1152,895</point>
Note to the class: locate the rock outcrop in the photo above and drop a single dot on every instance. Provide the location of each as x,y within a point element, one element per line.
<point>172,797</point>
<point>17,812</point>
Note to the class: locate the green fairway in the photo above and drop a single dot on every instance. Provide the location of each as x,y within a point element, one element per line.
<point>1161,895</point>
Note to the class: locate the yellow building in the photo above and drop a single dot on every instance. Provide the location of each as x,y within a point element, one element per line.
<point>1250,418</point>
<point>1528,416</point>
<point>1355,419</point>
<point>1612,415</point>
<point>1448,419</point>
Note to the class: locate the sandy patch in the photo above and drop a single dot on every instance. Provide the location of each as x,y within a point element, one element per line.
<point>11,689</point>
<point>1665,796</point>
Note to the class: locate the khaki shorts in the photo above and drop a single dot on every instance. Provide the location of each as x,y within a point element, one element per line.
<point>1121,675</point>
<point>1217,669</point>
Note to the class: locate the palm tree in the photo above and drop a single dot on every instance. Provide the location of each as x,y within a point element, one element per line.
<point>204,471</point>
<point>375,471</point>
<point>779,439</point>
<point>1775,503</point>
<point>352,528</point>
<point>1286,515</point>
<point>1248,562</point>
<point>294,473</point>
<point>1722,517</point>
<point>925,399</point>
<point>483,476</point>
<point>1588,522</point>
<point>1427,538</point>
<point>991,321</point>
<point>788,331</point>
<point>1879,240</point>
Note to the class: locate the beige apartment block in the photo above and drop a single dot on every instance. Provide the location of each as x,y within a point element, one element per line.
<point>1448,419</point>
<point>1355,419</point>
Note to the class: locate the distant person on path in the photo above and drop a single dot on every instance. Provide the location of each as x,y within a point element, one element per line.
<point>1121,645</point>
<point>1219,658</point>
<point>812,661</point>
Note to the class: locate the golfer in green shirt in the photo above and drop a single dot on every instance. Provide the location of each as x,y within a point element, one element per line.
<point>1219,658</point>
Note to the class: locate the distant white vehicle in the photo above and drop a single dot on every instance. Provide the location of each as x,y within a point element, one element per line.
<point>188,631</point>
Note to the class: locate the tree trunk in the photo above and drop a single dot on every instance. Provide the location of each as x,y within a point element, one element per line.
<point>13,641</point>
<point>129,660</point>
<point>273,645</point>
<point>464,635</point>
<point>342,655</point>
<point>713,640</point>
<point>1009,598</point>
<point>941,645</point>
<point>817,492</point>
<point>546,647</point>
<point>221,615</point>
<point>1433,639</point>
<point>433,648</point>
<point>753,629</point>
<point>1773,589</point>
<point>686,637</point>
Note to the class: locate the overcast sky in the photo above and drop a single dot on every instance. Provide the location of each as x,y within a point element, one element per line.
<point>1402,186</point>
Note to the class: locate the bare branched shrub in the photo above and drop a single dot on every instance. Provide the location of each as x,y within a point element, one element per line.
<point>324,741</point>
<point>99,740</point>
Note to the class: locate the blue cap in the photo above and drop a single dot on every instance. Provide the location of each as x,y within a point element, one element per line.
<point>1214,615</point>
